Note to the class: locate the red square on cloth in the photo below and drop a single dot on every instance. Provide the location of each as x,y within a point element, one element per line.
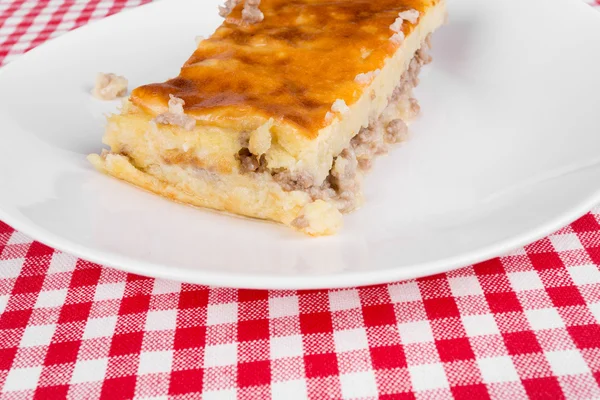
<point>136,278</point>
<point>380,314</point>
<point>74,312</point>
<point>28,284</point>
<point>315,323</point>
<point>188,338</point>
<point>543,388</point>
<point>134,304</point>
<point>454,350</point>
<point>85,276</point>
<point>119,388</point>
<point>585,336</point>
<point>565,296</point>
<point>62,353</point>
<point>51,392</point>
<point>432,278</point>
<point>444,307</point>
<point>187,381</point>
<point>503,302</point>
<point>14,319</point>
<point>542,261</point>
<point>127,343</point>
<point>587,223</point>
<point>594,253</point>
<point>320,365</point>
<point>386,357</point>
<point>6,357</point>
<point>253,330</point>
<point>398,396</point>
<point>38,249</point>
<point>254,373</point>
<point>252,295</point>
<point>193,298</point>
<point>521,342</point>
<point>489,267</point>
<point>470,392</point>
<point>5,228</point>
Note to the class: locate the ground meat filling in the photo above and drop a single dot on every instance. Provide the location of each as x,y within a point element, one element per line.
<point>226,8</point>
<point>342,186</point>
<point>294,181</point>
<point>301,222</point>
<point>109,86</point>
<point>176,115</point>
<point>376,138</point>
<point>251,13</point>
<point>396,131</point>
<point>249,162</point>
<point>344,181</point>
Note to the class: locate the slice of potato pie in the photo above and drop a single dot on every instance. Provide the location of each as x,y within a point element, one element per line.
<point>279,119</point>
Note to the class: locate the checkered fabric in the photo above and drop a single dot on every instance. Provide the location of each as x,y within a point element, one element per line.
<point>526,325</point>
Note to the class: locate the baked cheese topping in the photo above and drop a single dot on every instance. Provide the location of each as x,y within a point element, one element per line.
<point>281,68</point>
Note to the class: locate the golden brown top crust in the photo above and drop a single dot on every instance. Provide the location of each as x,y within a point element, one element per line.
<point>292,66</point>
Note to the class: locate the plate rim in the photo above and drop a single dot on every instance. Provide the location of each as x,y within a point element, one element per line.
<point>311,282</point>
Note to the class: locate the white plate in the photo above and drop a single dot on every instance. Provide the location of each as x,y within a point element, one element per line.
<point>506,151</point>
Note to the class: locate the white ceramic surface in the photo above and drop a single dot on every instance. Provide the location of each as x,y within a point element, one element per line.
<point>506,151</point>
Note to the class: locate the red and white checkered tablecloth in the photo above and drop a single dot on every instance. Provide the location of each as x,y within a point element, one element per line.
<point>523,325</point>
